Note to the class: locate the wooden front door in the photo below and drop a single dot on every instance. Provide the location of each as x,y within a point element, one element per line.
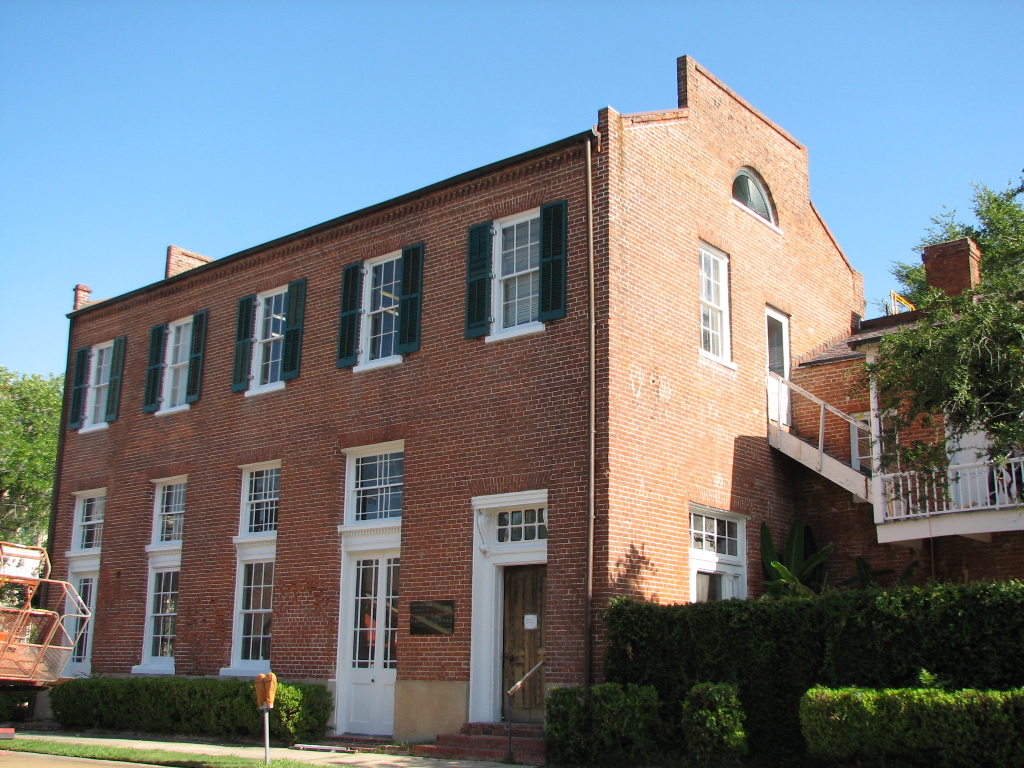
<point>523,644</point>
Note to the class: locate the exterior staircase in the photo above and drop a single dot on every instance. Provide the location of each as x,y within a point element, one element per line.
<point>488,741</point>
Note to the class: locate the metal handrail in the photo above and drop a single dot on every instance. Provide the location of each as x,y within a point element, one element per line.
<point>823,408</point>
<point>510,693</point>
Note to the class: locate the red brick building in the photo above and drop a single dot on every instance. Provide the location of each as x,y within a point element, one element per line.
<point>412,451</point>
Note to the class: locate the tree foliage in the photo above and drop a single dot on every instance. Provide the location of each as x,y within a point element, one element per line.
<point>30,407</point>
<point>961,365</point>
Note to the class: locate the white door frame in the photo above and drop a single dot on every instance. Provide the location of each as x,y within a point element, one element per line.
<point>774,400</point>
<point>356,540</point>
<point>490,559</point>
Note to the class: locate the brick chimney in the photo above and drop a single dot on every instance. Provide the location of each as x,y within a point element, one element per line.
<point>82,294</point>
<point>179,260</point>
<point>954,266</point>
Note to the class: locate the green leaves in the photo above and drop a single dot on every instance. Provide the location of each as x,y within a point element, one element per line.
<point>799,572</point>
<point>30,408</point>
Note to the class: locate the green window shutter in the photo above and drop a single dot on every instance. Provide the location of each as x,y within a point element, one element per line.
<point>154,368</point>
<point>291,358</point>
<point>409,303</point>
<point>195,357</point>
<point>348,322</point>
<point>245,328</point>
<point>553,219</point>
<point>116,372</point>
<point>79,379</point>
<point>478,281</point>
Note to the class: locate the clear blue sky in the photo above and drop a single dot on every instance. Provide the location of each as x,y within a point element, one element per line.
<point>217,125</point>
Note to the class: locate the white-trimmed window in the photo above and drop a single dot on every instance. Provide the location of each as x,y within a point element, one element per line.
<point>163,614</point>
<point>375,636</point>
<point>89,511</point>
<point>169,514</point>
<point>718,554</point>
<point>382,292</point>
<point>714,303</point>
<point>751,193</point>
<point>99,381</point>
<point>255,611</point>
<point>81,655</point>
<point>516,293</point>
<point>860,441</point>
<point>528,524</point>
<point>268,349</point>
<point>374,478</point>
<point>260,496</point>
<point>178,351</point>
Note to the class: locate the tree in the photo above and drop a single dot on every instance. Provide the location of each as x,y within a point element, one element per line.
<point>30,407</point>
<point>961,365</point>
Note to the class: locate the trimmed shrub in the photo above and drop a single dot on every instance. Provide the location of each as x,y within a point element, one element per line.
<point>947,729</point>
<point>615,725</point>
<point>210,707</point>
<point>971,635</point>
<point>713,724</point>
<point>15,706</point>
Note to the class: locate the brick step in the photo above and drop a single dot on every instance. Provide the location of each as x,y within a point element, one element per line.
<point>460,740</point>
<point>471,753</point>
<point>534,730</point>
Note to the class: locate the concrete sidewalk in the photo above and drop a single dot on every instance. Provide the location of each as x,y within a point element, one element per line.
<point>369,760</point>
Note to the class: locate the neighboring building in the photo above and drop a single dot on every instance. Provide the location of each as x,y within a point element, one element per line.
<point>962,524</point>
<point>362,454</point>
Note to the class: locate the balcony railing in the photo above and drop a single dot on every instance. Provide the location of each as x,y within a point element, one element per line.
<point>977,487</point>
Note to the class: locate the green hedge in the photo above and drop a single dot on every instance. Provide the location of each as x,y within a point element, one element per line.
<point>15,706</point>
<point>959,729</point>
<point>225,708</point>
<point>615,726</point>
<point>713,724</point>
<point>774,651</point>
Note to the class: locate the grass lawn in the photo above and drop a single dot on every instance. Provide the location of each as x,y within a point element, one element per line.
<point>149,756</point>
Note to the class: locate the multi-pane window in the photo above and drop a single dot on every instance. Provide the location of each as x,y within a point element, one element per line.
<point>714,304</point>
<point>86,587</point>
<point>257,605</point>
<point>270,326</point>
<point>179,346</point>
<point>99,382</point>
<point>384,289</point>
<point>90,522</point>
<point>522,525</point>
<point>261,500</point>
<point>170,512</point>
<point>378,486</point>
<point>713,534</point>
<point>752,195</point>
<point>163,614</point>
<point>375,622</point>
<point>519,272</point>
<point>860,441</point>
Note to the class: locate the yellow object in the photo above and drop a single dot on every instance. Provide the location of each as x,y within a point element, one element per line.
<point>266,688</point>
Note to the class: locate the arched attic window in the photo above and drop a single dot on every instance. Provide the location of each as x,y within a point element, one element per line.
<point>750,192</point>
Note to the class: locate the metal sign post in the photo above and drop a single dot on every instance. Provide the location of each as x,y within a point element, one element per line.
<point>266,688</point>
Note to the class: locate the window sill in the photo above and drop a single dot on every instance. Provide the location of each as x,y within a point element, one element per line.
<point>526,329</point>
<point>93,428</point>
<point>764,221</point>
<point>384,362</point>
<point>82,559</point>
<point>154,668</point>
<point>245,669</point>
<point>705,355</point>
<point>382,525</point>
<point>175,409</point>
<point>265,388</point>
<point>164,546</point>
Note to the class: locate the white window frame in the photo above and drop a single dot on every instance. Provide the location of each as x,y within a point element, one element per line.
<point>96,390</point>
<point>351,496</point>
<point>733,569</point>
<point>857,436</point>
<point>173,367</point>
<point>81,500</point>
<point>250,550</point>
<point>160,489</point>
<point>82,667</point>
<point>262,343</point>
<point>499,330</point>
<point>244,526</point>
<point>715,305</point>
<point>366,314</point>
